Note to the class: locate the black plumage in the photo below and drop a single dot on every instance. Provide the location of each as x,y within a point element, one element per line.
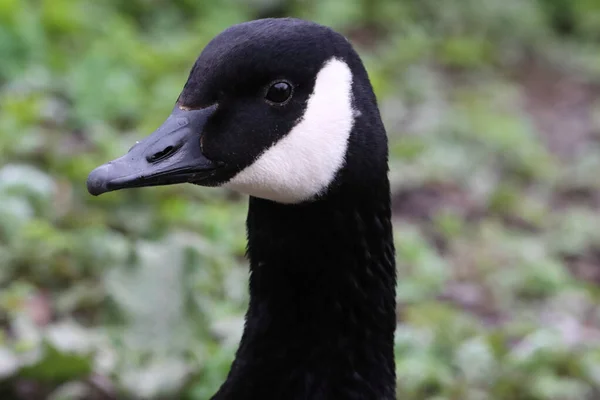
<point>321,319</point>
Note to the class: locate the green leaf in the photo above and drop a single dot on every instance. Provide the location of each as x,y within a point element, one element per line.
<point>57,366</point>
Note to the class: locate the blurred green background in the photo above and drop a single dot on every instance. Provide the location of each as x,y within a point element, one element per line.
<point>493,113</point>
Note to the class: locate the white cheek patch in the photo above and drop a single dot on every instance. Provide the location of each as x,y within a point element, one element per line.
<point>304,162</point>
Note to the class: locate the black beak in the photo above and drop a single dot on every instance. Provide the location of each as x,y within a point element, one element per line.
<point>172,154</point>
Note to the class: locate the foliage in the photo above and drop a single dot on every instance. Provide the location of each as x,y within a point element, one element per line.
<point>494,122</point>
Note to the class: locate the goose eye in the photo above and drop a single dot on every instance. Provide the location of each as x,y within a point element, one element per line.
<point>279,92</point>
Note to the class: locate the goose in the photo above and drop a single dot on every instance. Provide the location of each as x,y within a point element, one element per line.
<point>282,110</point>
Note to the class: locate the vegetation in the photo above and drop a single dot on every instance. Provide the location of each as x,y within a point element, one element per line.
<point>493,113</point>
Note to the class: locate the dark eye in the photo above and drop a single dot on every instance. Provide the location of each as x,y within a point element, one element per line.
<point>279,92</point>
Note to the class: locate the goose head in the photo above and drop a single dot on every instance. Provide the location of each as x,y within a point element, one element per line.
<point>270,109</point>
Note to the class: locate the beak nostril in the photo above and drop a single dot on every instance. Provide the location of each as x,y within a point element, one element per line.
<point>161,154</point>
